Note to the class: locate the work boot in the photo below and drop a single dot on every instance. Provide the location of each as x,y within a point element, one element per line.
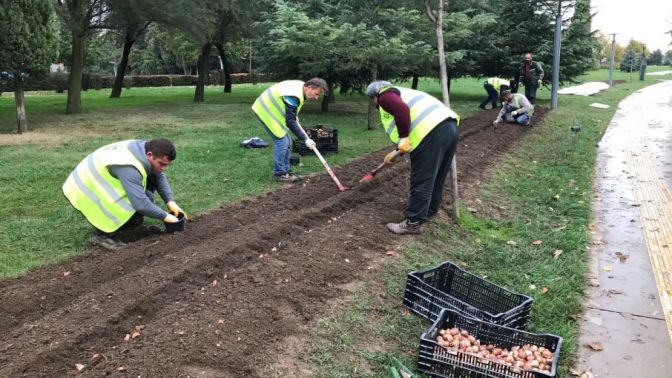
<point>482,107</point>
<point>144,230</point>
<point>405,227</point>
<point>286,177</point>
<point>99,239</point>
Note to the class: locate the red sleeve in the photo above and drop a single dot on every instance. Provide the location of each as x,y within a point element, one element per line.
<point>393,104</point>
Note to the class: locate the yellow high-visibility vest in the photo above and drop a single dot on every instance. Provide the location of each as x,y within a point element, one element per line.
<point>270,107</point>
<point>91,188</point>
<point>426,113</point>
<point>497,82</point>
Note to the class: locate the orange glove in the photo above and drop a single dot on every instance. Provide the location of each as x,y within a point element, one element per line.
<point>170,218</point>
<point>390,158</point>
<point>404,145</point>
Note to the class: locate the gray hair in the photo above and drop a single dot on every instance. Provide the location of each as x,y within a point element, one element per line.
<point>316,82</point>
<point>374,88</point>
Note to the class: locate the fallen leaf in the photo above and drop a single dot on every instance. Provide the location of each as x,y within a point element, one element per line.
<point>626,315</point>
<point>595,346</point>
<point>471,210</point>
<point>347,260</point>
<point>220,321</point>
<point>121,368</point>
<point>556,197</point>
<point>65,274</point>
<point>96,356</point>
<point>607,269</point>
<point>614,292</point>
<point>79,367</point>
<point>390,253</point>
<point>597,242</point>
<point>274,249</point>
<point>594,282</point>
<point>527,221</point>
<point>551,209</point>
<point>544,290</point>
<point>135,334</point>
<point>533,287</point>
<point>591,227</point>
<point>587,375</point>
<point>127,337</point>
<point>511,242</point>
<point>621,257</point>
<point>575,372</point>
<point>214,283</point>
<point>138,328</point>
<point>557,253</point>
<point>537,242</point>
<point>478,240</point>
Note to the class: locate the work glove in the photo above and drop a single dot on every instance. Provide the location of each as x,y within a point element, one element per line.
<point>495,122</point>
<point>175,209</point>
<point>390,158</point>
<point>539,83</point>
<point>514,113</point>
<point>404,145</point>
<point>310,143</point>
<point>170,218</point>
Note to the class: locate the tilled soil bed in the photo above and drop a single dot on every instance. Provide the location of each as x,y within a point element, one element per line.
<point>226,297</point>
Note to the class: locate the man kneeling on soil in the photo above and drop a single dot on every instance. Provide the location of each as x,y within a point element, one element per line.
<point>516,108</point>
<point>114,188</point>
<point>427,129</point>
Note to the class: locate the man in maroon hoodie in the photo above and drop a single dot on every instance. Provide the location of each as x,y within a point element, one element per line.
<point>531,74</point>
<point>423,126</point>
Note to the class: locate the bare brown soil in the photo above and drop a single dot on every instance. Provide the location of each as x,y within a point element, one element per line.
<point>235,292</point>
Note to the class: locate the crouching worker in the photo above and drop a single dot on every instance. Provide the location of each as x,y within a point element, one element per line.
<point>114,187</point>
<point>427,129</point>
<point>516,108</point>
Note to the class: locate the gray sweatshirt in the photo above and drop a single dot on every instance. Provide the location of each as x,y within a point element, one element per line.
<point>131,180</point>
<point>519,103</point>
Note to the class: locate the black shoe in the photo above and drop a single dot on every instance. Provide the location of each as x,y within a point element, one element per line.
<point>405,227</point>
<point>482,107</point>
<point>286,177</point>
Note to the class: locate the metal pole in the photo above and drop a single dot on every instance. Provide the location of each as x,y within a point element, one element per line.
<point>613,54</point>
<point>556,57</point>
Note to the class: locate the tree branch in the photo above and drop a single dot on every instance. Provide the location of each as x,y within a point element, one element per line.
<point>430,12</point>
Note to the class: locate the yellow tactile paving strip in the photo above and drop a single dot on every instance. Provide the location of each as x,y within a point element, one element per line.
<point>655,208</point>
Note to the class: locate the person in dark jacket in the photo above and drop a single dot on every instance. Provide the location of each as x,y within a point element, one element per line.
<point>531,74</point>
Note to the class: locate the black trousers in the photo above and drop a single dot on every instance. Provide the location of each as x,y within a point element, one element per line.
<point>430,164</point>
<point>493,96</point>
<point>531,91</point>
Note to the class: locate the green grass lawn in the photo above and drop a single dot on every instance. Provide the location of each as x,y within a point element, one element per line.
<point>39,227</point>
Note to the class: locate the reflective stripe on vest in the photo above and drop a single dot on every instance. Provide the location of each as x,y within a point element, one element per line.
<point>426,113</point>
<point>91,188</point>
<point>270,107</point>
<point>497,82</point>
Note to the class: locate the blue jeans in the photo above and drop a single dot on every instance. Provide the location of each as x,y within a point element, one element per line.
<point>521,119</point>
<point>281,151</point>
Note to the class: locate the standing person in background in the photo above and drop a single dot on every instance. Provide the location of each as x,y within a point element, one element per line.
<point>427,129</point>
<point>532,75</point>
<point>114,186</point>
<point>494,86</point>
<point>277,109</point>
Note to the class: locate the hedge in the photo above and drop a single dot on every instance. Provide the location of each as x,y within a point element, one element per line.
<point>59,81</point>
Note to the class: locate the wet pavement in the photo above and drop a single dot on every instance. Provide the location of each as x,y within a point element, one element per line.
<point>629,298</point>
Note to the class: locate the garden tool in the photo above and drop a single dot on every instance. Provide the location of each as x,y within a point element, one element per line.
<point>331,173</point>
<point>369,176</point>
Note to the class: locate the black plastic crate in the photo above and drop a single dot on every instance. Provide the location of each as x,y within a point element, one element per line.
<point>437,361</point>
<point>326,140</point>
<point>448,286</point>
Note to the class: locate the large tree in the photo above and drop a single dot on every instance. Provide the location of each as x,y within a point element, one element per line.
<point>29,43</point>
<point>82,18</point>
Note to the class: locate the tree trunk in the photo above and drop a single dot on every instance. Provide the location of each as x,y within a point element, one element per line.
<point>372,117</point>
<point>199,95</point>
<point>74,102</point>
<point>21,120</point>
<point>184,66</point>
<point>227,68</point>
<point>325,98</point>
<point>121,70</point>
<point>446,101</point>
<point>414,84</point>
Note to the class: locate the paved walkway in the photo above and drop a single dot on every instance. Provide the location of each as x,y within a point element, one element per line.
<point>630,313</point>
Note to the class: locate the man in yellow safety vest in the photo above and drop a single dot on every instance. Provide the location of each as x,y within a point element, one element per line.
<point>277,109</point>
<point>427,129</point>
<point>113,187</point>
<point>494,86</point>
